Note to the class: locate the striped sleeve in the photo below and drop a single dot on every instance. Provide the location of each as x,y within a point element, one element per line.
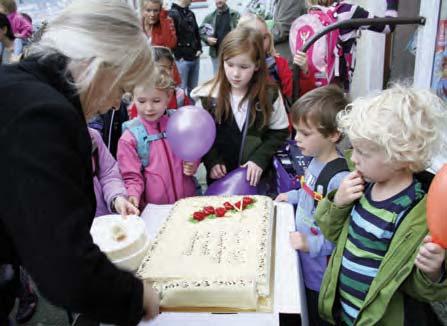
<point>346,11</point>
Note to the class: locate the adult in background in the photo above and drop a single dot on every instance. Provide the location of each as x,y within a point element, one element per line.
<point>285,12</point>
<point>216,26</point>
<point>159,27</point>
<point>87,57</point>
<point>189,48</point>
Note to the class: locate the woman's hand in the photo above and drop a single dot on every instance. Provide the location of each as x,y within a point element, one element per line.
<point>351,189</point>
<point>189,168</point>
<point>254,173</point>
<point>151,301</point>
<point>300,59</point>
<point>298,241</point>
<point>430,259</point>
<point>282,197</point>
<point>125,207</point>
<point>218,171</point>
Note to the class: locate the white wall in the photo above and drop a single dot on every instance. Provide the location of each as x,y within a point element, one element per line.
<point>368,75</point>
<point>426,44</point>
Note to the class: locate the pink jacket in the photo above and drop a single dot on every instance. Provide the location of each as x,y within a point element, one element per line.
<point>20,26</point>
<point>163,181</point>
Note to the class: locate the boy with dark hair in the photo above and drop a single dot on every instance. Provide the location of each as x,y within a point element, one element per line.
<point>314,118</point>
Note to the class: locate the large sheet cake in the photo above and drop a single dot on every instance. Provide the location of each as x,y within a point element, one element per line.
<point>213,252</point>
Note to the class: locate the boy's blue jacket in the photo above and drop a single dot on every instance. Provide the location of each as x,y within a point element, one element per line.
<point>397,295</point>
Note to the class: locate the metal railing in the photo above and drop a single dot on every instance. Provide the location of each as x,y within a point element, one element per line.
<point>351,23</point>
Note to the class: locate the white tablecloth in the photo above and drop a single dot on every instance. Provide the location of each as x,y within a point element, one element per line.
<point>289,295</point>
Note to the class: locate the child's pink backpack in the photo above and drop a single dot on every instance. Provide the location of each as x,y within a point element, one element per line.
<point>323,56</point>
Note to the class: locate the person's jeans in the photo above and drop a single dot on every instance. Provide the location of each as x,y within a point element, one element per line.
<point>215,63</point>
<point>189,71</point>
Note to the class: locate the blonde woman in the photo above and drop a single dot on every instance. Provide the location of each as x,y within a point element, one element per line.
<point>88,56</point>
<point>159,28</point>
<point>157,25</point>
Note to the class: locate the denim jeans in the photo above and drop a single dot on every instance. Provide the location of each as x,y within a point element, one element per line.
<point>189,71</point>
<point>215,63</point>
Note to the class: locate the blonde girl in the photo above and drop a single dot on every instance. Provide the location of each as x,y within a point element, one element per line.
<point>156,175</point>
<point>249,113</point>
<point>385,267</point>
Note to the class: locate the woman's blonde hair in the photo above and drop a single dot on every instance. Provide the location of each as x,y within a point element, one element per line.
<point>325,3</point>
<point>251,20</point>
<point>404,122</point>
<point>98,35</point>
<point>143,3</point>
<point>9,5</point>
<point>243,41</point>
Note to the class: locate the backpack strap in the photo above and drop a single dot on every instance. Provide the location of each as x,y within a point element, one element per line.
<point>137,129</point>
<point>180,97</point>
<point>273,68</point>
<point>209,104</point>
<point>330,169</point>
<point>170,112</point>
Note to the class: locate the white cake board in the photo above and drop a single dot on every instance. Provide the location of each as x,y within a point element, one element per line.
<point>289,296</point>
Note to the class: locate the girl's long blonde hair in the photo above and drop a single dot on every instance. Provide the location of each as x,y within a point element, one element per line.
<point>243,41</point>
<point>251,20</point>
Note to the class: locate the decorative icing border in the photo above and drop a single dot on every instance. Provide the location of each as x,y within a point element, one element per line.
<point>264,252</point>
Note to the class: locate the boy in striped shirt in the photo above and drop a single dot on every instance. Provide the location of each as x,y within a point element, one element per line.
<point>385,266</point>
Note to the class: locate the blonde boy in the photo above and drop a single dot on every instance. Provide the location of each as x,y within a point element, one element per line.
<point>384,266</point>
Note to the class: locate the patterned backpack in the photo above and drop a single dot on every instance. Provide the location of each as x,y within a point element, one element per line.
<point>143,139</point>
<point>323,56</point>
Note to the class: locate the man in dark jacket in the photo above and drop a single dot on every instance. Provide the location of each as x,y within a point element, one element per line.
<point>216,26</point>
<point>189,48</point>
<point>285,12</point>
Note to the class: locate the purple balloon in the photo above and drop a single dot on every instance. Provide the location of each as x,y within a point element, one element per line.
<point>191,132</point>
<point>234,183</point>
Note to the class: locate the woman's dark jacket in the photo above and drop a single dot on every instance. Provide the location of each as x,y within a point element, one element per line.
<point>47,202</point>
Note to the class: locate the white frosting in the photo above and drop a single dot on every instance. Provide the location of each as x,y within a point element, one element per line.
<point>231,254</point>
<point>117,237</point>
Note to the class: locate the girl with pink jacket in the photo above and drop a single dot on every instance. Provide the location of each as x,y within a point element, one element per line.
<point>110,193</point>
<point>151,171</point>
